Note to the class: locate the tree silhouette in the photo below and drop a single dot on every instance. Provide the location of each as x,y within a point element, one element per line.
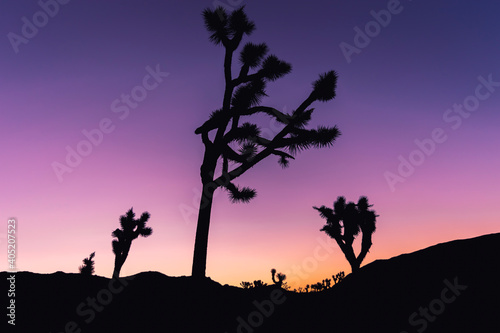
<point>241,99</point>
<point>246,285</point>
<point>281,277</point>
<point>344,222</point>
<point>339,277</point>
<point>130,230</point>
<point>259,284</point>
<point>87,268</point>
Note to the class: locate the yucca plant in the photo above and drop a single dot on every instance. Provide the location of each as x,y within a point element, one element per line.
<point>339,277</point>
<point>87,268</point>
<point>226,127</point>
<point>278,278</point>
<point>131,228</point>
<point>344,222</point>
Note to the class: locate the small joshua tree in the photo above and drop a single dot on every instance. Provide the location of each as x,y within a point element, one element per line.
<point>259,283</point>
<point>87,268</point>
<point>130,229</point>
<point>344,222</point>
<point>281,277</point>
<point>246,285</point>
<point>339,277</point>
<point>317,287</point>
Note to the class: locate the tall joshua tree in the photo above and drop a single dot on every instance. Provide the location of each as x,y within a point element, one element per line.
<point>131,228</point>
<point>241,99</point>
<point>344,222</point>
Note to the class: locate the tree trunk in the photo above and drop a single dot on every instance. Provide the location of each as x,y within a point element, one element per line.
<point>116,271</point>
<point>348,253</point>
<point>366,244</point>
<point>201,241</point>
<point>354,266</point>
<point>120,260</point>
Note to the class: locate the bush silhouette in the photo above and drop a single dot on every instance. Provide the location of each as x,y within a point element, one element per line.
<point>246,285</point>
<point>339,277</point>
<point>259,283</point>
<point>87,268</point>
<point>230,142</point>
<point>281,277</point>
<point>344,222</point>
<point>130,229</point>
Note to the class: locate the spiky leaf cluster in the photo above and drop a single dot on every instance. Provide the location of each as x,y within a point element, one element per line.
<point>236,194</point>
<point>224,27</point>
<point>324,88</point>
<point>274,68</point>
<point>87,268</point>
<point>252,54</point>
<point>249,94</point>
<point>131,228</point>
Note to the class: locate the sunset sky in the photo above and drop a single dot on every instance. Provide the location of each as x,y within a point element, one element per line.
<point>417,104</point>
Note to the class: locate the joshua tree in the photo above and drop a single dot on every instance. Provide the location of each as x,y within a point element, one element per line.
<point>246,285</point>
<point>343,224</point>
<point>224,131</point>
<point>317,286</point>
<point>87,268</point>
<point>130,230</point>
<point>259,283</point>
<point>339,277</point>
<point>281,277</point>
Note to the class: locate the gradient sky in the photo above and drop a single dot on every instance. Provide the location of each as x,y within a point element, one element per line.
<point>398,88</point>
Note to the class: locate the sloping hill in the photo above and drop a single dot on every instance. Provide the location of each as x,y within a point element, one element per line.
<point>449,287</point>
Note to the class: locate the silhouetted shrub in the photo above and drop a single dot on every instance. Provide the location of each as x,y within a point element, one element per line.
<point>339,277</point>
<point>317,287</point>
<point>87,268</point>
<point>259,283</point>
<point>246,285</point>
<point>281,277</point>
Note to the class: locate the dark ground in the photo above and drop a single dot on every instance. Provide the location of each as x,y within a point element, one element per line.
<point>449,287</point>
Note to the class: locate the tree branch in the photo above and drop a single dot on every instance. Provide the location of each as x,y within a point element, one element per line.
<point>280,116</point>
<point>228,152</point>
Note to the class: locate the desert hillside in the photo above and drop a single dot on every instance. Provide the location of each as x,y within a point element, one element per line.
<point>449,287</point>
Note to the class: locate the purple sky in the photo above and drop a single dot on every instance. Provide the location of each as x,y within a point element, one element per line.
<point>425,72</point>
